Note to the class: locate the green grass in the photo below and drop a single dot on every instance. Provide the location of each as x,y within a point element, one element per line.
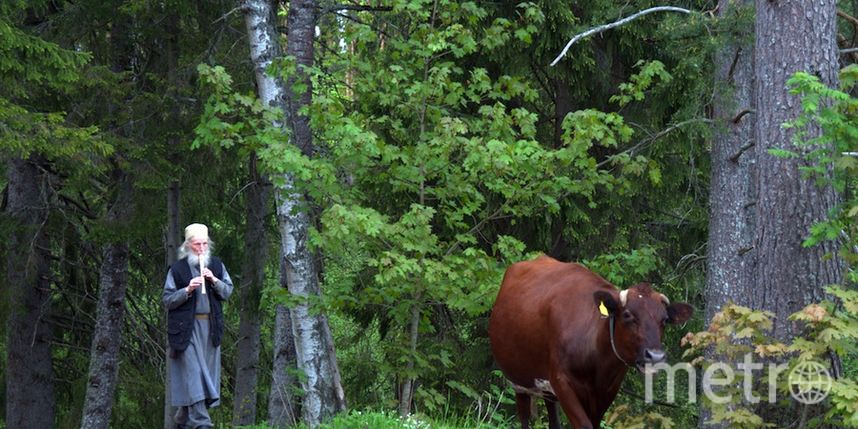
<point>389,420</point>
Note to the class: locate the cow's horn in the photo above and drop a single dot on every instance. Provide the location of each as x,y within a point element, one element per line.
<point>664,299</point>
<point>624,297</point>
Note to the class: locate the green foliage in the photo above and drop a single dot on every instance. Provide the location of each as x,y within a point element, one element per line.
<point>830,158</point>
<point>445,151</point>
<point>830,327</point>
<point>433,171</point>
<point>733,333</point>
<point>28,61</point>
<point>650,73</point>
<point>621,417</point>
<point>232,119</point>
<point>623,268</point>
<point>29,67</point>
<point>386,420</point>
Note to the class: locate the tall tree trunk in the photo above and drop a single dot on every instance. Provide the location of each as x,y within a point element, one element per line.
<point>113,275</point>
<point>314,346</point>
<point>791,36</point>
<point>174,224</point>
<point>323,394</point>
<point>562,107</point>
<point>173,241</point>
<point>730,263</point>
<point>730,256</point>
<point>106,341</point>
<point>260,22</point>
<point>282,409</point>
<point>30,399</point>
<point>406,391</point>
<point>256,255</point>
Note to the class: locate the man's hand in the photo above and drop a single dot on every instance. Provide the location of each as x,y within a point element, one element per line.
<point>195,284</point>
<point>207,273</point>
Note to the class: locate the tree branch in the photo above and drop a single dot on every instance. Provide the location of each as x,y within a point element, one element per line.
<point>358,7</point>
<point>848,17</point>
<point>741,114</point>
<point>631,151</point>
<point>606,27</point>
<point>743,149</point>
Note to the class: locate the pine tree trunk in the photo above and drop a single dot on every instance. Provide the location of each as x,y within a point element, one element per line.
<point>323,394</point>
<point>106,341</point>
<point>174,224</point>
<point>730,256</point>
<point>30,399</point>
<point>173,242</point>
<point>250,292</point>
<point>562,107</point>
<point>791,36</point>
<point>730,264</point>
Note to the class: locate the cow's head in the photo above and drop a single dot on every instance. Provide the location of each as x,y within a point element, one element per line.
<point>641,314</point>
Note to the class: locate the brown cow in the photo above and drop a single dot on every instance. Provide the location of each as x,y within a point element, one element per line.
<point>547,325</point>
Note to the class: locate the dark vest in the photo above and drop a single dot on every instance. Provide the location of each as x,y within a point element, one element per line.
<point>180,320</point>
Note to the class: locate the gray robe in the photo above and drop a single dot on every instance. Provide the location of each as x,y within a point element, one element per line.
<point>195,373</point>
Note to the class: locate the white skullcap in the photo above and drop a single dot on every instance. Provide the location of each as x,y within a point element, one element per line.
<point>197,230</point>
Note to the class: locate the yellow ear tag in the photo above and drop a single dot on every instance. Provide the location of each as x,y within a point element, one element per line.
<point>602,309</point>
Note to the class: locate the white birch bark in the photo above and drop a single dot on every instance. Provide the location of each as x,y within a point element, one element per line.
<point>323,394</point>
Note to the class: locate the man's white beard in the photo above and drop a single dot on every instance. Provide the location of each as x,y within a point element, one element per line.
<point>194,260</point>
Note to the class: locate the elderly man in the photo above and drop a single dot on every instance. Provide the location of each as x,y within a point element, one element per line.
<point>193,297</point>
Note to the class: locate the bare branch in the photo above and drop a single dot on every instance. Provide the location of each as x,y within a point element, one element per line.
<point>847,17</point>
<point>643,143</point>
<point>743,149</point>
<point>741,114</point>
<point>606,27</point>
<point>359,8</point>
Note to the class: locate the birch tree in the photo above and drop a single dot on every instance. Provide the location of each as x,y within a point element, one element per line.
<point>323,394</point>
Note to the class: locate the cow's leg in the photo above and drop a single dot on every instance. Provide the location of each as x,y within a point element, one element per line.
<point>522,407</point>
<point>553,421</point>
<point>570,402</point>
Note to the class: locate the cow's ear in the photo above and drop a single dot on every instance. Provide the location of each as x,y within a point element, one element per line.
<point>679,312</point>
<point>604,300</point>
